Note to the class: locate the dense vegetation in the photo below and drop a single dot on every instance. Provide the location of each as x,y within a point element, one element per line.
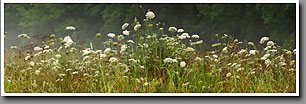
<point>244,21</point>
<point>149,57</point>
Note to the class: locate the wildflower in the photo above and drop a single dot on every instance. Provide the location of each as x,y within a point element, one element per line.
<point>70,28</point>
<point>32,63</point>
<point>27,57</point>
<point>184,36</point>
<point>125,25</point>
<point>215,45</point>
<point>282,64</point>
<point>136,27</point>
<point>125,32</point>
<point>85,74</point>
<point>253,72</point>
<point>150,15</point>
<point>76,72</point>
<point>263,40</point>
<point>113,59</point>
<point>228,74</point>
<point>265,57</point>
<point>107,51</point>
<point>120,37</point>
<point>224,36</point>
<point>172,29</point>
<point>180,30</point>
<point>142,67</point>
<point>251,43</point>
<point>123,48</point>
<point>13,47</point>
<point>215,56</point>
<point>138,80</point>
<point>294,51</point>
<point>58,56</point>
<point>62,75</point>
<point>270,43</point>
<point>130,41</point>
<point>253,52</point>
<point>195,36</point>
<point>145,45</point>
<point>199,42</point>
<point>46,47</point>
<point>242,51</point>
<point>185,84</point>
<point>291,69</point>
<point>111,35</point>
<point>198,59</point>
<point>37,72</point>
<point>170,60</point>
<point>268,62</point>
<point>272,50</point>
<point>24,36</point>
<point>224,50</point>
<point>146,84</point>
<point>68,41</point>
<point>189,49</point>
<point>238,70</point>
<point>68,69</point>
<point>86,57</point>
<point>37,48</point>
<point>103,55</point>
<point>183,64</point>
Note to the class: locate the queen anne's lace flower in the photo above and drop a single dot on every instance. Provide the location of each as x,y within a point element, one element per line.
<point>263,40</point>
<point>111,35</point>
<point>150,15</point>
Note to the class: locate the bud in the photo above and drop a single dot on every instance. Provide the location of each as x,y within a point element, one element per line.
<point>141,38</point>
<point>236,41</point>
<point>98,35</point>
<point>52,36</point>
<point>62,42</point>
<point>28,51</point>
<point>115,43</point>
<point>74,44</point>
<point>119,45</point>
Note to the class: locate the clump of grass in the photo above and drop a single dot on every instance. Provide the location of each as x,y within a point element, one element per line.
<point>145,59</point>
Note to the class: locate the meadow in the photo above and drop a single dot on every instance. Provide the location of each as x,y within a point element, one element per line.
<point>150,58</point>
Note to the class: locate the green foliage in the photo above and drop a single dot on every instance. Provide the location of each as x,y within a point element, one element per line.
<point>244,21</point>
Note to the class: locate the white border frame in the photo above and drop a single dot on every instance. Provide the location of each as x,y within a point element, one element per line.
<point>152,94</point>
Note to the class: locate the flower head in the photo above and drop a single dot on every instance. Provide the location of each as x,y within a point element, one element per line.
<point>180,30</point>
<point>183,64</point>
<point>113,60</point>
<point>111,35</point>
<point>137,27</point>
<point>172,29</point>
<point>263,40</point>
<point>125,32</point>
<point>150,15</point>
<point>125,25</point>
<point>195,36</point>
<point>68,41</point>
<point>70,28</point>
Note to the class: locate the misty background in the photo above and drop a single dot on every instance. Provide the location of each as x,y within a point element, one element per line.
<point>245,22</point>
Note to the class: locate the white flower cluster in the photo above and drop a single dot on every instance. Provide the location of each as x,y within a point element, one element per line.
<point>150,15</point>
<point>24,36</point>
<point>170,60</point>
<point>70,28</point>
<point>68,41</point>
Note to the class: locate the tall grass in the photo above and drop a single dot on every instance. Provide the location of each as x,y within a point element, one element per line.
<point>145,59</point>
